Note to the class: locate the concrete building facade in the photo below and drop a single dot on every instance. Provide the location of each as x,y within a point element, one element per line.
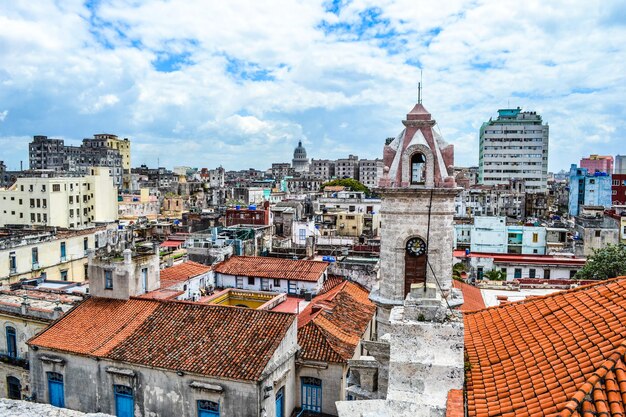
<point>104,150</point>
<point>515,145</point>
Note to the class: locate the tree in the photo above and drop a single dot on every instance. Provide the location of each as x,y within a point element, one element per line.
<point>457,270</point>
<point>495,275</point>
<point>607,262</point>
<point>351,183</point>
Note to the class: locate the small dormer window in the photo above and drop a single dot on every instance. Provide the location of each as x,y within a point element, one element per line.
<point>418,168</point>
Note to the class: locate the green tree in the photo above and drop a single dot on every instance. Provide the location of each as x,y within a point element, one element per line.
<point>607,262</point>
<point>495,275</point>
<point>351,183</point>
<point>457,271</point>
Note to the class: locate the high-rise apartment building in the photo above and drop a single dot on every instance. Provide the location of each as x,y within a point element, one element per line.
<point>103,150</point>
<point>347,167</point>
<point>370,172</point>
<point>514,146</point>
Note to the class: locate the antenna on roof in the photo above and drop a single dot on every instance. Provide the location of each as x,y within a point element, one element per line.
<point>419,89</point>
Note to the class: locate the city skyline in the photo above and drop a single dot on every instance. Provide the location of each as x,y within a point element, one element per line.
<point>236,86</point>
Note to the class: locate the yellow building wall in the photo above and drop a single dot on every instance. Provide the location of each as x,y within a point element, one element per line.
<point>50,261</point>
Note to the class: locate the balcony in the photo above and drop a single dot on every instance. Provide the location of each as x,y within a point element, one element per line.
<point>14,359</point>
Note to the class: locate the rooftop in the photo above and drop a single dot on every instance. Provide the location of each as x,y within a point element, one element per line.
<point>258,266</point>
<point>331,326</point>
<point>232,342</point>
<point>556,355</point>
<point>182,272</point>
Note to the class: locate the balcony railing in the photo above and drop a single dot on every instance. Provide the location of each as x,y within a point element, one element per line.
<point>14,359</point>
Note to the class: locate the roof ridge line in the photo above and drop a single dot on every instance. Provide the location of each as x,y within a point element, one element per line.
<point>587,387</point>
<point>551,295</point>
<point>326,334</point>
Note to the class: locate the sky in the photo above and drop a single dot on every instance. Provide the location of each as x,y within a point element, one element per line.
<point>238,83</point>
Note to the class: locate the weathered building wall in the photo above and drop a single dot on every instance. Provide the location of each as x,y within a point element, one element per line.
<point>88,385</point>
<point>333,384</point>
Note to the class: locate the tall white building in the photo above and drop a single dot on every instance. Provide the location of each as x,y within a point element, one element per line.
<point>51,200</point>
<point>515,145</point>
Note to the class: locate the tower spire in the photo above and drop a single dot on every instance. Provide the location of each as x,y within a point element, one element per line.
<point>419,89</point>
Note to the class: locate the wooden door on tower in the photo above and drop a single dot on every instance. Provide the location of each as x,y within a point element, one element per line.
<point>414,271</point>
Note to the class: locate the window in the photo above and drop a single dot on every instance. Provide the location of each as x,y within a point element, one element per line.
<point>12,263</point>
<point>64,275</point>
<point>208,408</point>
<point>572,273</point>
<point>239,282</point>
<point>517,273</point>
<point>546,274</point>
<point>532,273</point>
<point>35,258</point>
<point>14,388</point>
<point>597,233</point>
<point>63,253</point>
<point>71,199</point>
<point>535,237</point>
<point>265,284</point>
<point>418,165</point>
<point>250,280</point>
<point>311,394</point>
<point>32,217</point>
<point>56,187</point>
<point>85,244</point>
<point>11,342</point>
<point>108,280</point>
<point>144,279</point>
<point>302,234</point>
<point>276,282</point>
<point>124,401</point>
<point>56,395</point>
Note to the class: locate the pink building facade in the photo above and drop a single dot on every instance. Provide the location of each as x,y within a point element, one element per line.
<point>598,163</point>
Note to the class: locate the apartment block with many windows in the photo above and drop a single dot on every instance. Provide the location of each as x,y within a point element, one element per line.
<point>515,145</point>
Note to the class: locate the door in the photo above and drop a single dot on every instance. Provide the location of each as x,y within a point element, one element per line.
<point>208,408</point>
<point>291,287</point>
<point>414,271</point>
<point>280,405</point>
<point>55,389</point>
<point>144,279</point>
<point>14,388</point>
<point>124,402</point>
<point>312,394</point>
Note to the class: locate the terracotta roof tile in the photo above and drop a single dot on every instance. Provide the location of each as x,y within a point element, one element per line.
<point>211,340</point>
<point>454,405</point>
<point>558,355</point>
<point>472,297</point>
<point>184,271</point>
<point>263,267</point>
<point>331,326</point>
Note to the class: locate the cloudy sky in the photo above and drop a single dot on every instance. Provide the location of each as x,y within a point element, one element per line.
<point>237,83</point>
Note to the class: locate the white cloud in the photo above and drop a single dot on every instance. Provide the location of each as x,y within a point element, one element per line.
<point>245,85</point>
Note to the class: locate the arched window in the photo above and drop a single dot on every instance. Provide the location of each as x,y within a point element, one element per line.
<point>14,388</point>
<point>418,168</point>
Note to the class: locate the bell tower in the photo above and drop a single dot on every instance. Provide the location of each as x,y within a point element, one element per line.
<point>416,214</point>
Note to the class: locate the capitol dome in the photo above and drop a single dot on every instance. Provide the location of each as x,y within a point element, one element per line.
<point>300,161</point>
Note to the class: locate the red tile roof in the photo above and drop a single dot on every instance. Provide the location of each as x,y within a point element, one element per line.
<point>556,355</point>
<point>184,271</point>
<point>259,266</point>
<point>472,297</point>
<point>331,326</point>
<point>210,340</point>
<point>454,405</point>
